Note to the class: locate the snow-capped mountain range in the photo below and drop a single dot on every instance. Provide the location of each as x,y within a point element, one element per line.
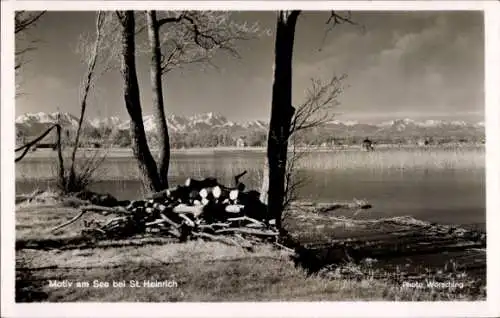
<point>175,123</point>
<point>33,123</point>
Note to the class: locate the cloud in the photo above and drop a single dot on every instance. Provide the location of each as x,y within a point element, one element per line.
<point>409,66</point>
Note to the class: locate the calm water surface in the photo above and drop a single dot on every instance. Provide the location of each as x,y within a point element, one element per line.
<point>444,195</point>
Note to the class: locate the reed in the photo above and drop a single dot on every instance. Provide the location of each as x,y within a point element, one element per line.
<point>401,159</point>
<point>225,166</point>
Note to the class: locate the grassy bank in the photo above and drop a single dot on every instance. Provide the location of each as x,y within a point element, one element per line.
<point>202,271</point>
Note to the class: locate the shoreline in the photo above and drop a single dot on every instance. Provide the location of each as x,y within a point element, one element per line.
<point>127,152</point>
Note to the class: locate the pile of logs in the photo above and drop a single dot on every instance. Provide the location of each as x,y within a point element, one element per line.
<point>198,209</point>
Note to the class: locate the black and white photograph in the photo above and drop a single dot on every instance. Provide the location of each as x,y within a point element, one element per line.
<point>213,156</point>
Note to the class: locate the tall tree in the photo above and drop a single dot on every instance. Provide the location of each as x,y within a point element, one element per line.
<point>140,148</point>
<point>158,105</point>
<point>284,119</point>
<point>281,112</point>
<point>188,37</point>
<point>87,84</point>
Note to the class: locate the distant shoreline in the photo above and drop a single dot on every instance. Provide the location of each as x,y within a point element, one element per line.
<point>127,152</point>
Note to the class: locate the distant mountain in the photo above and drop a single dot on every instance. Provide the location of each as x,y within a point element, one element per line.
<point>29,119</point>
<point>113,121</point>
<point>199,123</point>
<point>206,124</point>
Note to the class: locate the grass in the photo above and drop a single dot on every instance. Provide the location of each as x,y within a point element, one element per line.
<point>262,276</point>
<point>203,271</point>
<point>400,159</point>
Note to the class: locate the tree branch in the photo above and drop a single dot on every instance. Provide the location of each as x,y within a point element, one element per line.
<point>194,37</point>
<point>170,20</point>
<point>23,21</point>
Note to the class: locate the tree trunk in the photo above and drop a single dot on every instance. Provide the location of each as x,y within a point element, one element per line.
<point>158,106</point>
<point>281,112</point>
<point>140,148</point>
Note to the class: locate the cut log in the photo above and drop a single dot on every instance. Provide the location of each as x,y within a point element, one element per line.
<point>174,232</point>
<point>204,193</point>
<point>99,209</point>
<point>283,247</point>
<point>183,208</point>
<point>211,193</point>
<point>248,231</point>
<point>178,193</point>
<point>233,194</point>
<point>164,194</point>
<point>219,224</point>
<point>135,204</point>
<point>197,185</point>
<point>169,221</point>
<point>187,220</point>
<point>194,195</point>
<point>234,208</point>
<point>156,222</point>
<point>217,192</point>
<point>113,221</point>
<point>246,218</point>
<point>69,222</point>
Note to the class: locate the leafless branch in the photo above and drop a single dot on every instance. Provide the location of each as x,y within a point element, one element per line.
<point>336,19</point>
<point>193,37</point>
<point>316,110</point>
<point>24,20</point>
<point>293,182</point>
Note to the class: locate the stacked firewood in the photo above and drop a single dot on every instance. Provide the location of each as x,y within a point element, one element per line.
<point>197,209</point>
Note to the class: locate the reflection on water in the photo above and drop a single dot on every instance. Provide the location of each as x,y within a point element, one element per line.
<point>434,194</point>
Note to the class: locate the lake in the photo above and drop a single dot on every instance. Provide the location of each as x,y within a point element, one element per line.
<point>443,185</point>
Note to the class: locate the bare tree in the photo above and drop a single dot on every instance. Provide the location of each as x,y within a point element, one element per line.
<point>282,121</point>
<point>187,37</point>
<point>147,164</point>
<point>194,37</point>
<point>158,105</point>
<point>315,111</point>
<point>282,113</point>
<point>92,62</point>
<point>98,54</point>
<point>71,179</point>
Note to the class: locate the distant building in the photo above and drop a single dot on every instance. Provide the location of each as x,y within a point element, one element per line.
<point>367,145</point>
<point>423,142</point>
<point>240,143</point>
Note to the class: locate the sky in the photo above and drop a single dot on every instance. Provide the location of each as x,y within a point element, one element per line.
<point>418,65</point>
